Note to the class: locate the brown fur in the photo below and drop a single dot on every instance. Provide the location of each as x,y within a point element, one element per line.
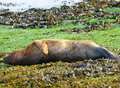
<point>2,54</point>
<point>40,51</point>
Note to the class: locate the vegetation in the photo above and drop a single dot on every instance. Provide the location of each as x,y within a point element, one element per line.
<point>102,28</point>
<point>59,74</point>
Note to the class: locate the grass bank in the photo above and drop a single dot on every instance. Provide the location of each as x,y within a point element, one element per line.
<point>59,74</point>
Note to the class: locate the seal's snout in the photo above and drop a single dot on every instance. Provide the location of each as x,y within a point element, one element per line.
<point>7,60</point>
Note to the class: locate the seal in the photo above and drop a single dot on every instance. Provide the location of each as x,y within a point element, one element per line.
<point>43,51</point>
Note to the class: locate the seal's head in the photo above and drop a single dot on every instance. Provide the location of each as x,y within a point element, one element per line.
<point>14,57</point>
<point>34,53</point>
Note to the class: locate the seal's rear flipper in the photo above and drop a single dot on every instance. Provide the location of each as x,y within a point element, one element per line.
<point>110,55</point>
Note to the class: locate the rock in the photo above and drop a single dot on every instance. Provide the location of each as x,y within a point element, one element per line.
<point>23,25</point>
<point>44,18</point>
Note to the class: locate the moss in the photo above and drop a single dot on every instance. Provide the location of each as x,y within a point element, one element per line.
<point>78,74</point>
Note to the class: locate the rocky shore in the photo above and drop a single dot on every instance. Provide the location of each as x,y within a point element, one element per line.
<point>43,18</point>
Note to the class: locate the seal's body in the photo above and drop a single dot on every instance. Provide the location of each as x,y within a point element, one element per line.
<point>41,51</point>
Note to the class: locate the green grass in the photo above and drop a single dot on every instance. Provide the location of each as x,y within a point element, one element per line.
<point>34,76</point>
<point>112,10</point>
<point>12,39</point>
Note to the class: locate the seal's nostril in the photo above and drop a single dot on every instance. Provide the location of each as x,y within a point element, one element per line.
<point>6,60</point>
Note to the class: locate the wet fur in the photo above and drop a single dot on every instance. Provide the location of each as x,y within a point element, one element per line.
<point>42,51</point>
